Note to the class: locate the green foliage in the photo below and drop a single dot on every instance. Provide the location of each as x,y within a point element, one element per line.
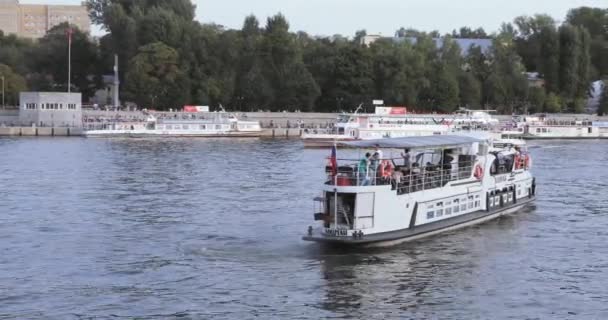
<point>570,51</point>
<point>536,98</point>
<point>603,107</point>
<point>154,77</point>
<point>51,58</point>
<point>553,103</point>
<point>13,84</point>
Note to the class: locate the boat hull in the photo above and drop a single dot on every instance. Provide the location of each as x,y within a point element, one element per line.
<point>400,236</point>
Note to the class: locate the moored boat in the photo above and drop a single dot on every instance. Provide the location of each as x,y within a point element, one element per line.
<point>211,124</point>
<point>389,124</point>
<point>454,182</point>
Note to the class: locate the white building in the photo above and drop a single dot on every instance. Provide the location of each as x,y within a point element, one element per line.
<point>50,109</point>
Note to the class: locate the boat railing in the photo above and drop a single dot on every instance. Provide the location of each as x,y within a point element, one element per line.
<point>403,179</point>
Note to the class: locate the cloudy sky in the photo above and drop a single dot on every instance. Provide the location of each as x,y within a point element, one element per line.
<point>328,17</point>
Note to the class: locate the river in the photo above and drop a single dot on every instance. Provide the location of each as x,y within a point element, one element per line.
<point>210,229</point>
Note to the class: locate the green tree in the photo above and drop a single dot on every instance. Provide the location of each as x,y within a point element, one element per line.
<point>550,64</point>
<point>570,52</point>
<point>595,21</point>
<point>603,106</point>
<point>536,99</point>
<point>13,84</point>
<point>470,90</point>
<point>553,103</point>
<point>51,60</point>
<point>294,87</point>
<point>154,79</point>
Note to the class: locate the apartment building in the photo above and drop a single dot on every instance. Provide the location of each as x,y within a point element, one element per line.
<point>34,20</point>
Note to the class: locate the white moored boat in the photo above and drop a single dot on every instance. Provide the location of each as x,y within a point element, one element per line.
<point>353,127</point>
<point>211,124</point>
<point>540,127</point>
<point>456,181</point>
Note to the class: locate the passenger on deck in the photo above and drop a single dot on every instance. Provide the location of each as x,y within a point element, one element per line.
<point>363,169</point>
<point>374,163</point>
<point>406,158</point>
<point>378,151</point>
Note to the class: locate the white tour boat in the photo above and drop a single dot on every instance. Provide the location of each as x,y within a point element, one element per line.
<point>209,124</point>
<point>383,124</point>
<point>540,127</point>
<point>452,182</point>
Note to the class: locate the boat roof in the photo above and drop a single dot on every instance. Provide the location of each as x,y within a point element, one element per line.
<point>438,141</point>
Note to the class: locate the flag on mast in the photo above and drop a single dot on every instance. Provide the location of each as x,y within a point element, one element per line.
<point>333,161</point>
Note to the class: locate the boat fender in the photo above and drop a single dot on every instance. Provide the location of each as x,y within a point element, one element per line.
<point>478,173</point>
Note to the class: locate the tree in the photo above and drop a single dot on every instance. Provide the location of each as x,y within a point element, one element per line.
<point>51,60</point>
<point>570,52</point>
<point>470,90</point>
<point>294,87</point>
<point>553,103</point>
<point>550,64</point>
<point>13,84</point>
<point>154,79</point>
<point>603,107</point>
<point>536,99</point>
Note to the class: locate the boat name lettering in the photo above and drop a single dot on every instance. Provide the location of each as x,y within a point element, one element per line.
<point>336,232</point>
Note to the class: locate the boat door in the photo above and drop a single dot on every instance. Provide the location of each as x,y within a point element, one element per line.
<point>364,210</point>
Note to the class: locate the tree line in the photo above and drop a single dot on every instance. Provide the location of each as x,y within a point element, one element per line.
<point>169,60</point>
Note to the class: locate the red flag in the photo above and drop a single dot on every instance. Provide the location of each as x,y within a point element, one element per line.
<point>333,161</point>
<point>68,33</point>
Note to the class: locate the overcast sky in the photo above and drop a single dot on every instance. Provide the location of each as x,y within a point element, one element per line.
<point>328,17</point>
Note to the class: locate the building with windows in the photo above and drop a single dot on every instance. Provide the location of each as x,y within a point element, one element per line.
<point>35,20</point>
<point>50,109</point>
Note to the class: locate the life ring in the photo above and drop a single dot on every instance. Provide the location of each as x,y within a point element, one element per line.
<point>386,169</point>
<point>478,173</point>
<point>517,161</point>
<point>527,161</point>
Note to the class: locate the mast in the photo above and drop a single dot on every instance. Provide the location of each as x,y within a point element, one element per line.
<point>116,82</point>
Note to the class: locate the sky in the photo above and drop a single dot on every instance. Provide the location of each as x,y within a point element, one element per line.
<point>345,17</point>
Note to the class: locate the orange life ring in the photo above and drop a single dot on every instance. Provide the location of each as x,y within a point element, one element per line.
<point>517,161</point>
<point>478,173</point>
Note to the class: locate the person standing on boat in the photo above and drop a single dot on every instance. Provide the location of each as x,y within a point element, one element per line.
<point>363,169</point>
<point>378,151</point>
<point>406,158</point>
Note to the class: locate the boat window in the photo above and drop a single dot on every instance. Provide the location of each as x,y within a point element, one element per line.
<point>430,215</point>
<point>169,127</point>
<point>463,207</point>
<point>456,208</point>
<point>448,211</point>
<point>185,126</point>
<point>218,127</point>
<point>203,127</point>
<point>439,213</point>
